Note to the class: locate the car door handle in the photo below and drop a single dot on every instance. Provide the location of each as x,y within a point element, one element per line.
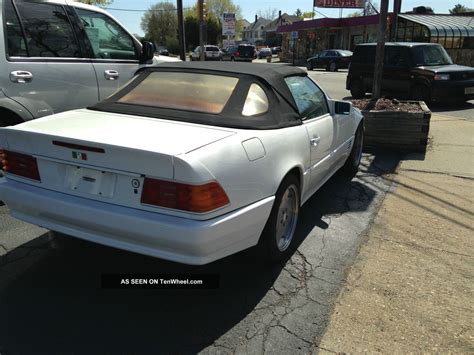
<point>111,75</point>
<point>21,76</point>
<point>315,141</point>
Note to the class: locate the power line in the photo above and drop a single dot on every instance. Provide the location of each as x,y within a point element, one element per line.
<point>134,10</point>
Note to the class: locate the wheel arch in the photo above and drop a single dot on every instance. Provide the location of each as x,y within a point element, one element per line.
<point>296,171</point>
<point>13,110</point>
<point>9,117</point>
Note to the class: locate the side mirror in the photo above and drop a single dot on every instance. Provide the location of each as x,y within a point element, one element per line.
<point>148,52</point>
<point>342,107</point>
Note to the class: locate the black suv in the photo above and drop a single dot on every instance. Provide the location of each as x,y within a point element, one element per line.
<point>419,71</point>
<point>241,53</point>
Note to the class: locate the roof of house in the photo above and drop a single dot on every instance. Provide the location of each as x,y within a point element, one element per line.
<point>261,22</point>
<point>284,19</point>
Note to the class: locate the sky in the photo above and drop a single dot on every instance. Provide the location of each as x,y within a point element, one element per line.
<point>131,19</point>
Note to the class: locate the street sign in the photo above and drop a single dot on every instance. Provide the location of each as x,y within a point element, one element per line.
<point>339,3</point>
<point>294,35</point>
<point>228,24</point>
<point>228,43</point>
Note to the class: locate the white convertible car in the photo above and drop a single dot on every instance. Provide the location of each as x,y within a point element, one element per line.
<point>188,162</point>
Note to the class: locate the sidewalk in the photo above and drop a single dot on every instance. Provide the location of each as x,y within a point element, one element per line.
<point>411,287</point>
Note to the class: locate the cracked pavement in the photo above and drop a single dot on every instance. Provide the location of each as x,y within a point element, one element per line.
<point>51,300</point>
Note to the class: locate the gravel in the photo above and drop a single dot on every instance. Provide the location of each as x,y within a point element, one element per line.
<point>386,105</point>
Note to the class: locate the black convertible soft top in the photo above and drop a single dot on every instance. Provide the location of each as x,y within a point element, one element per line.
<point>283,111</point>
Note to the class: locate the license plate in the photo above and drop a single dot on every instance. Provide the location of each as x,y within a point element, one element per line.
<point>90,181</point>
<point>469,90</point>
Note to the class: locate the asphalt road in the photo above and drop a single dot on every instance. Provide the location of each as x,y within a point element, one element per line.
<point>51,300</point>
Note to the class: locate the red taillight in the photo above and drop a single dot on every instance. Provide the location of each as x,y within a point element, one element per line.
<point>19,164</point>
<point>237,54</point>
<point>192,198</point>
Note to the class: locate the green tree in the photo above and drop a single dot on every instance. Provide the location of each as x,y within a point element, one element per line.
<point>160,24</point>
<point>218,7</point>
<point>96,2</point>
<point>309,14</point>
<point>458,9</point>
<point>298,13</point>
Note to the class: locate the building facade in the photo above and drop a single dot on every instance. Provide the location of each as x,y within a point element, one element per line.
<point>455,33</point>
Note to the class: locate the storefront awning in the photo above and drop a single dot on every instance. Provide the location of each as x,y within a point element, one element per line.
<point>444,25</point>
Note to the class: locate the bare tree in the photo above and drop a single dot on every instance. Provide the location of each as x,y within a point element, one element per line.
<point>269,13</point>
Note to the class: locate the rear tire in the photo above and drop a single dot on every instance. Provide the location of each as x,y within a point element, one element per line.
<point>309,66</point>
<point>232,59</point>
<point>352,163</point>
<point>277,236</point>
<point>357,90</point>
<point>333,67</point>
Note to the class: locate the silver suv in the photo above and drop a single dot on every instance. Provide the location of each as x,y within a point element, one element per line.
<point>59,55</point>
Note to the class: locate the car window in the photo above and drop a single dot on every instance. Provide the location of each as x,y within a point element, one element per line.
<point>309,98</point>
<point>107,38</point>
<point>431,55</point>
<point>395,57</point>
<point>48,31</point>
<point>256,101</point>
<point>183,91</point>
<point>212,49</point>
<point>16,44</point>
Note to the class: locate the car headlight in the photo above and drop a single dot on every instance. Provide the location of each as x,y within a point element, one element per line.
<point>441,77</point>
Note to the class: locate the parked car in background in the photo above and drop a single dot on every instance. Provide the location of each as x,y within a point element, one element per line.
<point>331,60</point>
<point>240,53</point>
<point>210,53</point>
<point>60,55</point>
<point>264,52</point>
<point>167,169</point>
<point>420,71</point>
<point>276,50</point>
<point>162,51</point>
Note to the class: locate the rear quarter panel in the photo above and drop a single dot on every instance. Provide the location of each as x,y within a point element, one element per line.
<point>247,181</point>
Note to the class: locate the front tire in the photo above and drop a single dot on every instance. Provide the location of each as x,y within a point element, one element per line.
<point>277,236</point>
<point>309,65</point>
<point>333,67</point>
<point>352,163</point>
<point>421,93</point>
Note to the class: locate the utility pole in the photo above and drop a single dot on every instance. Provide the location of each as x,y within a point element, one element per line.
<point>182,45</point>
<point>201,28</point>
<point>397,7</point>
<point>379,52</point>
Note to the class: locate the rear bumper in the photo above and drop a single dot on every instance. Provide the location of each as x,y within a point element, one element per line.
<point>168,237</point>
<point>452,91</point>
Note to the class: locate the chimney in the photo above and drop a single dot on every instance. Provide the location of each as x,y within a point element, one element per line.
<point>256,18</point>
<point>279,14</point>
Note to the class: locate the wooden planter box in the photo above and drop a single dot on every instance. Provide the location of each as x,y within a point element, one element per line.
<point>397,130</point>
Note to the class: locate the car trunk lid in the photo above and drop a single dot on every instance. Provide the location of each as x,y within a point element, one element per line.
<point>103,155</point>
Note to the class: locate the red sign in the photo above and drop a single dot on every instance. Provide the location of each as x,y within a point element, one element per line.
<point>339,3</point>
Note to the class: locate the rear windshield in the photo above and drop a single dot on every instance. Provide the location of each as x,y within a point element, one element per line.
<point>183,91</point>
<point>430,55</point>
<point>345,53</point>
<point>212,49</point>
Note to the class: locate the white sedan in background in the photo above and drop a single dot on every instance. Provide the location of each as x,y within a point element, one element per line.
<point>188,162</point>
